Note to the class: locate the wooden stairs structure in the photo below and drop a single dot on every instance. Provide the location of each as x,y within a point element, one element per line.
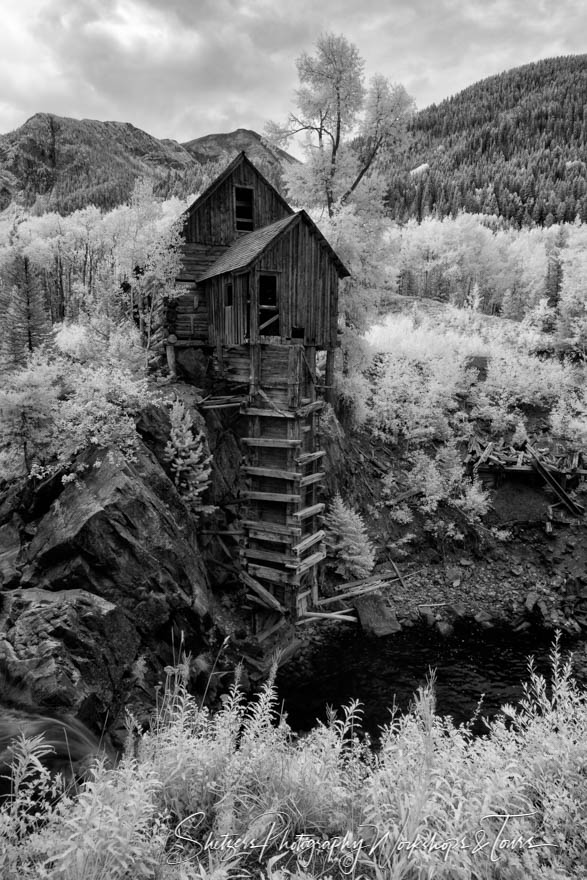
<point>282,545</point>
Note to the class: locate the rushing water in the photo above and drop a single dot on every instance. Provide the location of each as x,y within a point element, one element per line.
<point>381,671</point>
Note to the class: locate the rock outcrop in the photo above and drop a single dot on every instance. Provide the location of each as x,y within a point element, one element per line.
<point>100,578</point>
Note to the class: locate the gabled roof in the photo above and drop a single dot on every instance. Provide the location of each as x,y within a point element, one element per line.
<point>247,249</point>
<point>218,181</point>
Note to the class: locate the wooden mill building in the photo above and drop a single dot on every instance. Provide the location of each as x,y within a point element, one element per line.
<point>260,296</point>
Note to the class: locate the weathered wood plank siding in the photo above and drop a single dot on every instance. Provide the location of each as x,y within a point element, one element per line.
<point>214,222</point>
<point>307,286</point>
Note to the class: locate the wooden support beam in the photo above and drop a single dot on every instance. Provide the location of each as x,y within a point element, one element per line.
<point>267,413</point>
<point>261,591</point>
<point>312,478</point>
<point>272,496</point>
<point>273,528</point>
<point>262,535</point>
<point>397,571</point>
<point>271,441</point>
<point>267,555</point>
<point>308,457</point>
<point>276,473</point>
<point>308,542</point>
<point>309,511</point>
<point>273,574</point>
<point>303,411</point>
<point>305,564</point>
<point>258,601</point>
<point>220,405</point>
<point>269,630</point>
<point>272,404</point>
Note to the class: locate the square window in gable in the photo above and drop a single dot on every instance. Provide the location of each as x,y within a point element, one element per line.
<point>243,208</point>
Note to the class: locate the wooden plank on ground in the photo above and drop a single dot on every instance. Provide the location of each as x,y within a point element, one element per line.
<point>308,616</point>
<point>380,576</point>
<point>261,591</point>
<point>411,493</point>
<point>267,413</point>
<point>572,506</point>
<point>270,630</point>
<point>350,594</point>
<point>484,456</point>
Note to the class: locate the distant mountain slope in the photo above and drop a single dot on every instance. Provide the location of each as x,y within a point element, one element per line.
<point>55,163</point>
<point>211,146</point>
<point>513,144</point>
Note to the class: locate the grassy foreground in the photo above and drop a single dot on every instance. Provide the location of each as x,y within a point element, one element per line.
<point>235,794</point>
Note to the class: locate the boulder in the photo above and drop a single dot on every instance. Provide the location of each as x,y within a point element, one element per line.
<point>445,628</point>
<point>375,615</point>
<point>427,615</point>
<point>103,574</point>
<point>123,533</point>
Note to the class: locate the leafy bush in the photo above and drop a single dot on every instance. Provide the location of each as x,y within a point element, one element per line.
<point>50,413</point>
<point>101,341</point>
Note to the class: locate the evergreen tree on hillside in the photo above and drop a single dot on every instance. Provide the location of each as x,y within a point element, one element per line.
<point>513,144</point>
<point>26,325</point>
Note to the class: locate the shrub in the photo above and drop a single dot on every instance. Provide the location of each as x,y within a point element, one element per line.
<point>430,802</point>
<point>51,413</point>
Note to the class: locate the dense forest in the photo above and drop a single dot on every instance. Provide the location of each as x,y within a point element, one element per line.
<point>513,145</point>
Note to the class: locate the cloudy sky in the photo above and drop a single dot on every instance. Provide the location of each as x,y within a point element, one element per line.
<point>184,68</point>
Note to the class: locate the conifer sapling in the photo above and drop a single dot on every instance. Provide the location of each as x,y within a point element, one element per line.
<point>187,452</point>
<point>347,540</point>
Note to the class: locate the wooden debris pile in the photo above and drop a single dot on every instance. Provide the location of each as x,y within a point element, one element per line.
<point>560,471</point>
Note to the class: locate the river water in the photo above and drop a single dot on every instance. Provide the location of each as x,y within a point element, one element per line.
<point>379,671</point>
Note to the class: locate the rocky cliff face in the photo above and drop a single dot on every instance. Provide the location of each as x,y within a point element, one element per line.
<point>97,579</point>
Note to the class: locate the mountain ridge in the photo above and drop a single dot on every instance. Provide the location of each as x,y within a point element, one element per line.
<point>513,144</point>
<point>61,163</point>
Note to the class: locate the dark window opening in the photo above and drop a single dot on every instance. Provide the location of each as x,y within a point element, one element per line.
<point>228,295</point>
<point>243,203</point>
<point>268,306</point>
<point>297,332</point>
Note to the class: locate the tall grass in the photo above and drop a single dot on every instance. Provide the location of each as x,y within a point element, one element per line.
<point>234,793</point>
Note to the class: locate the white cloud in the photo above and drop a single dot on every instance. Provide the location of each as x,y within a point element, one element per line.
<point>179,68</point>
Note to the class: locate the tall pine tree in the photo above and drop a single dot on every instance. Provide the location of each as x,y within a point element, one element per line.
<point>26,325</point>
